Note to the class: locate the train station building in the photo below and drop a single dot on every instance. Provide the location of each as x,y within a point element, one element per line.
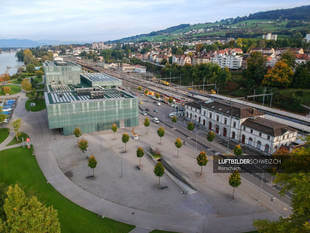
<point>93,103</point>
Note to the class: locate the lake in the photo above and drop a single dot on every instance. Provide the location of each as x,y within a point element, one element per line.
<point>8,62</point>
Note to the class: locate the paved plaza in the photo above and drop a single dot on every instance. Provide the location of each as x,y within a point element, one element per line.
<point>135,198</point>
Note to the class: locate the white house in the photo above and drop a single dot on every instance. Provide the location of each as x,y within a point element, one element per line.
<point>270,36</point>
<point>233,62</point>
<point>241,123</point>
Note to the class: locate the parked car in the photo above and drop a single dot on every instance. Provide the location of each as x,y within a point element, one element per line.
<point>144,113</point>
<point>155,110</point>
<point>147,110</point>
<point>158,103</point>
<point>156,120</point>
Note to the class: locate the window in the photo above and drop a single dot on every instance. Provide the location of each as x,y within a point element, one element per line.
<point>225,121</point>
<point>243,127</point>
<point>217,118</point>
<point>268,137</point>
<point>260,134</point>
<point>210,115</point>
<point>251,130</point>
<point>234,124</point>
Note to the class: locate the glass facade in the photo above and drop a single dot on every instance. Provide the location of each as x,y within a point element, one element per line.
<point>61,72</point>
<point>93,115</point>
<point>92,108</point>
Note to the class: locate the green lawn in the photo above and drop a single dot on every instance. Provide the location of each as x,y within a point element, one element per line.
<point>15,81</point>
<point>14,141</point>
<point>19,166</point>
<point>39,105</point>
<point>14,89</point>
<point>4,133</point>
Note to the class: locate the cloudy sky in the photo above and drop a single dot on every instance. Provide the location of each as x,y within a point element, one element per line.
<point>100,20</point>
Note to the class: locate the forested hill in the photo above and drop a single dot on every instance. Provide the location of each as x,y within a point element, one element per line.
<point>281,21</point>
<point>155,33</point>
<point>298,13</point>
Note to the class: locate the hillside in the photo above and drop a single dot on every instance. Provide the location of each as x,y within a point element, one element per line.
<point>284,22</point>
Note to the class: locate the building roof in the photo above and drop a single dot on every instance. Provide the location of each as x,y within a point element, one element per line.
<point>101,79</point>
<point>58,94</point>
<point>196,105</point>
<point>236,110</point>
<point>267,126</point>
<point>96,77</point>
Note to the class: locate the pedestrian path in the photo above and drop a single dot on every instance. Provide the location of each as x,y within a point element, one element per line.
<point>140,230</point>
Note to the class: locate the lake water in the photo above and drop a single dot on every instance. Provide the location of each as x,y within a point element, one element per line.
<point>8,62</point>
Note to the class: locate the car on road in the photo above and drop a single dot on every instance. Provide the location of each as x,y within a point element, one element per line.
<point>155,110</point>
<point>144,113</point>
<point>172,114</point>
<point>158,103</point>
<point>156,120</point>
<point>147,110</point>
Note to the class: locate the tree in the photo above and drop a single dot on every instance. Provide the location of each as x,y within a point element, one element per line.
<point>139,88</point>
<point>301,77</point>
<point>237,150</point>
<point>6,90</point>
<point>30,68</point>
<point>295,178</point>
<point>92,163</point>
<point>170,100</point>
<point>77,132</point>
<point>174,119</point>
<point>159,171</point>
<point>178,143</point>
<point>289,58</point>
<point>157,95</point>
<point>83,145</point>
<point>190,126</point>
<point>146,122</point>
<point>2,117</point>
<point>27,214</point>
<point>28,57</point>
<point>280,75</point>
<point>16,126</point>
<point>161,133</point>
<point>114,129</point>
<point>234,181</point>
<point>210,136</point>
<point>140,154</point>
<point>4,77</point>
<point>125,139</point>
<point>146,91</point>
<point>256,69</point>
<point>26,85</point>
<point>202,160</point>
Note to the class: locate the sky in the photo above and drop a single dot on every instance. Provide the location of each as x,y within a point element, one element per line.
<point>101,20</point>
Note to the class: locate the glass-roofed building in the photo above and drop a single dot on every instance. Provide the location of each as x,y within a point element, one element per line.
<point>59,72</point>
<point>93,104</point>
